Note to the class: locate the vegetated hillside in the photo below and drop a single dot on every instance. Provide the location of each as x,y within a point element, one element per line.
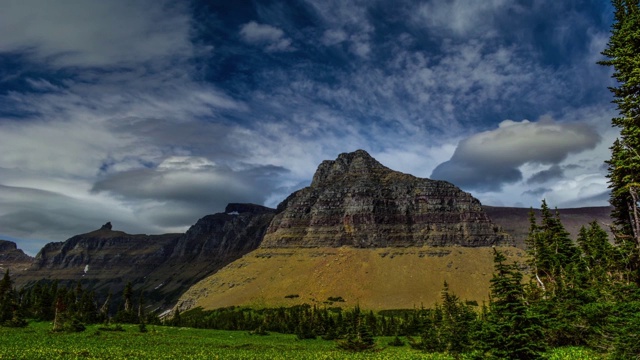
<point>381,278</point>
<point>515,221</point>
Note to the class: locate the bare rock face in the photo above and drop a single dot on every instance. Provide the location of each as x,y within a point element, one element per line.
<point>225,235</point>
<point>13,258</point>
<point>356,201</point>
<point>163,266</point>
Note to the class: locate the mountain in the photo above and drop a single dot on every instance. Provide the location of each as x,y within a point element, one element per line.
<point>13,258</point>
<point>365,234</point>
<point>361,232</point>
<point>163,266</point>
<point>356,201</point>
<point>515,221</point>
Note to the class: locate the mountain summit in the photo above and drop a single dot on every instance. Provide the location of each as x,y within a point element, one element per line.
<point>356,201</point>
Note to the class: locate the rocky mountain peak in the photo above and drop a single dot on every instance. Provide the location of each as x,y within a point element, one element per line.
<point>107,226</point>
<point>355,163</point>
<point>356,201</point>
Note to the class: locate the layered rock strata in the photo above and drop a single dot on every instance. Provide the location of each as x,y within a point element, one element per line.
<point>12,258</point>
<point>163,266</point>
<point>356,201</point>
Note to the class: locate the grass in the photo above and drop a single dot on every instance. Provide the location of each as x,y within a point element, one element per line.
<point>161,342</point>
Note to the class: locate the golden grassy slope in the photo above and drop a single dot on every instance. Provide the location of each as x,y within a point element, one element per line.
<point>382,278</point>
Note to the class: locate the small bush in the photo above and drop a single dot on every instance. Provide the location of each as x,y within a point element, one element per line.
<point>116,327</point>
<point>396,341</point>
<point>73,325</point>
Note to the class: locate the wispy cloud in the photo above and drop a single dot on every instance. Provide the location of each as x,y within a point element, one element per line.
<point>271,37</point>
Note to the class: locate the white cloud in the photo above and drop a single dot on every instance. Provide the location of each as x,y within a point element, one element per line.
<point>94,32</point>
<point>487,160</point>
<point>459,17</point>
<point>333,37</point>
<point>271,37</point>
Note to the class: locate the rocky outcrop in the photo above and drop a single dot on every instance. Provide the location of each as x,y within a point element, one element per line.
<point>230,234</point>
<point>13,258</point>
<point>356,201</point>
<point>163,266</point>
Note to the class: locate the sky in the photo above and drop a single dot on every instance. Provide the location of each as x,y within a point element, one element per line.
<point>152,114</point>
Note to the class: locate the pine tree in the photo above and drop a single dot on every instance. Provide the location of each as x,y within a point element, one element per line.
<point>623,53</point>
<point>6,286</point>
<point>511,331</point>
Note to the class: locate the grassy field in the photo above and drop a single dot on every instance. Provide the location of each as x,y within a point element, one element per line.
<point>160,342</point>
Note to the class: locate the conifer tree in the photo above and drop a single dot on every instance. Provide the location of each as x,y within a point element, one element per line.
<point>623,53</point>
<point>512,332</point>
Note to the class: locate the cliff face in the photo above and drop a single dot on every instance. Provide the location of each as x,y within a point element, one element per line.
<point>233,233</point>
<point>106,250</point>
<point>13,258</point>
<point>356,201</point>
<point>163,266</point>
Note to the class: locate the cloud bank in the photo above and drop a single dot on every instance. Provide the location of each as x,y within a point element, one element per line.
<point>488,160</point>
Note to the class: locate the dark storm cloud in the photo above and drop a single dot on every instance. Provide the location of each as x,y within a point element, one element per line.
<point>488,160</point>
<point>34,213</point>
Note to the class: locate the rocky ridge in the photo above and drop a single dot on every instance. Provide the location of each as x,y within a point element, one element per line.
<point>12,258</point>
<point>356,201</point>
<point>163,266</point>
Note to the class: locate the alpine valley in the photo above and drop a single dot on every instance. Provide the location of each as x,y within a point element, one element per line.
<point>360,234</point>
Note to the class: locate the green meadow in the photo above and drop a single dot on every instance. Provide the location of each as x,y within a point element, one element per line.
<point>163,342</point>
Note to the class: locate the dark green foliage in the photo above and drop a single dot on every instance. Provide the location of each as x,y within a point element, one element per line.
<point>335,299</point>
<point>448,327</point>
<point>359,338</point>
<point>116,327</point>
<point>396,341</point>
<point>142,327</point>
<point>623,53</point>
<point>10,310</point>
<point>511,330</point>
<point>551,251</point>
<point>73,325</point>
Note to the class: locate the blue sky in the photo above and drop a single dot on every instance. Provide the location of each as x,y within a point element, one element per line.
<point>151,114</point>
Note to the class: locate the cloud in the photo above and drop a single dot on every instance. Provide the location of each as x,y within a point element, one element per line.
<point>488,160</point>
<point>537,192</point>
<point>94,32</point>
<point>554,172</point>
<point>271,37</point>
<point>183,188</point>
<point>459,17</point>
<point>38,214</point>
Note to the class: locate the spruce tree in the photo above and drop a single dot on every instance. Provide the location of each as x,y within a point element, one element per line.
<point>511,331</point>
<point>6,305</point>
<point>623,53</point>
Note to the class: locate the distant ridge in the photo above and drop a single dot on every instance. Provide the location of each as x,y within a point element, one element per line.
<point>515,221</point>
